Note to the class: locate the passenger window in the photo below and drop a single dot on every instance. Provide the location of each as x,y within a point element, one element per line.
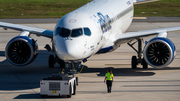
<point>87,31</point>
<point>76,32</point>
<point>63,32</point>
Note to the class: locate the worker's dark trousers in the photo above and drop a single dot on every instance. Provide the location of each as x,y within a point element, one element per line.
<point>109,85</point>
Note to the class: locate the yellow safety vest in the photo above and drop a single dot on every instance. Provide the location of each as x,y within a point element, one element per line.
<point>109,76</point>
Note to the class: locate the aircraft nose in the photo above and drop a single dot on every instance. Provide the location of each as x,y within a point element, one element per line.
<point>71,50</point>
<point>74,52</point>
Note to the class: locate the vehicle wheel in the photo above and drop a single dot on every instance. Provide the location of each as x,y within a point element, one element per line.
<point>70,89</point>
<point>74,93</point>
<point>51,61</point>
<point>62,63</point>
<point>43,96</point>
<point>134,62</point>
<point>145,65</point>
<point>76,81</point>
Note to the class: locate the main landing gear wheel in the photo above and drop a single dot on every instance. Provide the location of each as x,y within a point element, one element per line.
<point>145,65</point>
<point>134,62</point>
<point>51,61</point>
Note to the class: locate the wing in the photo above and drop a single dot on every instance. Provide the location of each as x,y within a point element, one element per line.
<point>123,38</point>
<point>32,30</point>
<point>143,1</point>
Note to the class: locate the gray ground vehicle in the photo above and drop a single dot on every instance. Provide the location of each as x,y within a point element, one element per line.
<point>58,85</point>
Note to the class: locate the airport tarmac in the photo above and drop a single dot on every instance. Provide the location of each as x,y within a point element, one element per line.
<point>22,83</point>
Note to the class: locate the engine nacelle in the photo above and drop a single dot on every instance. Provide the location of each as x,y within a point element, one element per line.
<point>21,50</point>
<point>159,52</point>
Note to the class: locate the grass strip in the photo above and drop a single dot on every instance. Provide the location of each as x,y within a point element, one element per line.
<point>58,8</point>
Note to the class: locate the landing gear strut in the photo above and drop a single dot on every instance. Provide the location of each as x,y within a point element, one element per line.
<point>53,60</point>
<point>61,63</point>
<point>138,60</point>
<point>73,66</point>
<point>73,70</point>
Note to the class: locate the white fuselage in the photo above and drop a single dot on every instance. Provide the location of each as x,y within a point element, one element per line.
<point>92,29</point>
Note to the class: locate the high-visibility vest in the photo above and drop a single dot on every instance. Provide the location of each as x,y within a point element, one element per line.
<point>109,76</point>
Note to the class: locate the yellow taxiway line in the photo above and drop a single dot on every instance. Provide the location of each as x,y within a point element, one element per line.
<point>139,18</point>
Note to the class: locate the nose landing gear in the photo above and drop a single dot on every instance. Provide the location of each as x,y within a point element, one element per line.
<point>53,60</point>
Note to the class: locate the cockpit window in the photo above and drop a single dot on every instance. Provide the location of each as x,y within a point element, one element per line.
<point>87,31</point>
<point>76,32</point>
<point>57,30</point>
<point>63,32</point>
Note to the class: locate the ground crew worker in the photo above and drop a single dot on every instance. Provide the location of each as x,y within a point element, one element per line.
<point>62,71</point>
<point>109,79</point>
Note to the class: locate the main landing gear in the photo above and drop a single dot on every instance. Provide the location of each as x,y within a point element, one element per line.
<point>138,60</point>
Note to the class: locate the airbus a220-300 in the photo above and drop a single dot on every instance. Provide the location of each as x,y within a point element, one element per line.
<point>95,28</point>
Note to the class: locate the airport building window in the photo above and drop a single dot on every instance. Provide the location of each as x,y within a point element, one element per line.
<point>63,32</point>
<point>76,32</point>
<point>87,31</point>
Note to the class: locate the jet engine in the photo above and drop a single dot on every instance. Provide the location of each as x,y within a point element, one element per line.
<point>159,52</point>
<point>21,50</point>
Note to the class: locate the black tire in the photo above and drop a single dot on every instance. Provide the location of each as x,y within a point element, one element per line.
<point>51,61</point>
<point>61,63</point>
<point>43,96</point>
<point>70,90</point>
<point>145,65</point>
<point>76,81</point>
<point>74,90</point>
<point>134,62</point>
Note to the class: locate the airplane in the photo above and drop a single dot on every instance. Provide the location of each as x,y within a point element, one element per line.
<point>96,28</point>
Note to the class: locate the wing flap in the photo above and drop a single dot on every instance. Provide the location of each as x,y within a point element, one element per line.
<point>32,30</point>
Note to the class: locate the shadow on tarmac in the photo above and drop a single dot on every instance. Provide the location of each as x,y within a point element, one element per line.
<point>28,77</point>
<point>2,53</point>
<point>118,71</point>
<point>37,96</point>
